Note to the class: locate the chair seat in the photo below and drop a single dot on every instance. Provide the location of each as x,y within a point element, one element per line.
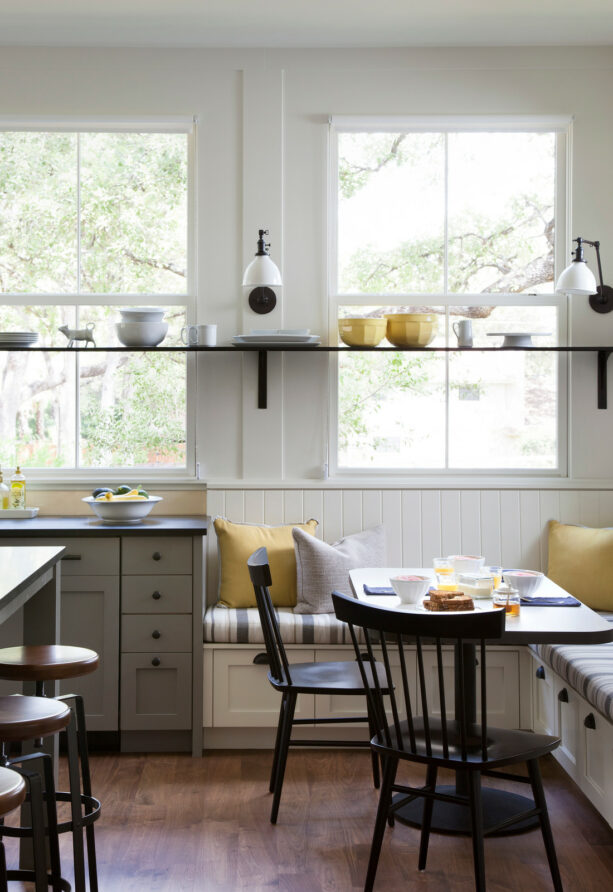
<point>26,718</point>
<point>46,662</point>
<point>504,747</point>
<point>329,678</point>
<point>12,790</point>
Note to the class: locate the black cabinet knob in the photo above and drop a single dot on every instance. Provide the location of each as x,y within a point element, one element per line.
<point>155,634</point>
<point>156,596</point>
<point>156,556</point>
<point>563,696</point>
<point>155,661</point>
<point>261,660</point>
<point>590,721</point>
<point>540,672</point>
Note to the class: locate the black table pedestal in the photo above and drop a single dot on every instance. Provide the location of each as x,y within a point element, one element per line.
<point>498,805</point>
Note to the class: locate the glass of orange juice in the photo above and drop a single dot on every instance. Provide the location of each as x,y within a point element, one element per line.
<point>445,574</point>
<point>496,572</point>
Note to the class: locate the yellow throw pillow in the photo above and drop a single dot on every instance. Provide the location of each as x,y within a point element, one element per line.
<point>581,561</point>
<point>236,541</point>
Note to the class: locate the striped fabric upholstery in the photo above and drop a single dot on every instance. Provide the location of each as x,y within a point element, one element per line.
<point>586,668</point>
<point>236,625</point>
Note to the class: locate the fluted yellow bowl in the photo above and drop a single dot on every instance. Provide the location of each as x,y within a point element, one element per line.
<point>362,331</point>
<point>411,329</point>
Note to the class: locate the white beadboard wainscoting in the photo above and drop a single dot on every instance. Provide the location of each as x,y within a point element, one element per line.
<point>509,527</point>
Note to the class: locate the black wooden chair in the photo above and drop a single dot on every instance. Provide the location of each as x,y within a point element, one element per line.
<point>304,678</point>
<point>460,744</point>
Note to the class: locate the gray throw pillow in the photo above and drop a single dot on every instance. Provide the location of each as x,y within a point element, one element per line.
<point>323,568</point>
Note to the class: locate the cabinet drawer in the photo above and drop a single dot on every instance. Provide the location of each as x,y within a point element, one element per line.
<point>156,631</point>
<point>148,594</point>
<point>84,557</point>
<point>157,554</point>
<point>156,691</point>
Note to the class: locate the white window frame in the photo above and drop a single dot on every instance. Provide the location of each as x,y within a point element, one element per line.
<point>166,124</point>
<point>562,126</point>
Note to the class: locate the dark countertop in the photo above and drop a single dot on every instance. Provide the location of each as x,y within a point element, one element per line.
<point>19,567</point>
<point>156,525</point>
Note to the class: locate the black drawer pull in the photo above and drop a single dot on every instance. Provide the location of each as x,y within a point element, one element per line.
<point>589,721</point>
<point>155,661</point>
<point>155,634</point>
<point>540,672</point>
<point>563,696</point>
<point>71,557</point>
<point>261,660</point>
<point>156,596</point>
<point>156,556</point>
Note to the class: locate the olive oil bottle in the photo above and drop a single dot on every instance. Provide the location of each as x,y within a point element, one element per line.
<point>18,490</point>
<point>4,493</point>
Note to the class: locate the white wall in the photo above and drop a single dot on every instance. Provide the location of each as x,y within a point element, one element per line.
<point>262,162</point>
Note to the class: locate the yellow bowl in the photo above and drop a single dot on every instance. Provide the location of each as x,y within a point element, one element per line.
<point>362,331</point>
<point>411,329</point>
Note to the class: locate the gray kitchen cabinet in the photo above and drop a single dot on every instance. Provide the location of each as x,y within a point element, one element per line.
<point>156,691</point>
<point>156,676</point>
<point>135,596</point>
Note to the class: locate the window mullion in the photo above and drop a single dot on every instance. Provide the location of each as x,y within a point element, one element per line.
<point>446,292</point>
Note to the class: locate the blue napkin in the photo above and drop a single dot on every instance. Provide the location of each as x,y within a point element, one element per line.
<point>551,601</point>
<point>378,590</point>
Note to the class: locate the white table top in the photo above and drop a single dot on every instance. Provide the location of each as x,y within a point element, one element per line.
<point>534,625</point>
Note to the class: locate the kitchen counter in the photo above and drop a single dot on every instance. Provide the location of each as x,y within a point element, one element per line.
<point>84,525</point>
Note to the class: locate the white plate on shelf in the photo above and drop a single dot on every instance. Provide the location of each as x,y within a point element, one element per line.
<point>518,338</point>
<point>276,339</point>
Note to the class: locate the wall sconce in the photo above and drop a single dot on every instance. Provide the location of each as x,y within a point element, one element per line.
<point>262,275</point>
<point>578,278</point>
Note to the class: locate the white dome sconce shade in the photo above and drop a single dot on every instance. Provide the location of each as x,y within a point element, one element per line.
<point>578,278</point>
<point>262,275</point>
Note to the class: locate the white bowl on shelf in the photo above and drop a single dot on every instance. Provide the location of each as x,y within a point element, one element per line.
<point>122,511</point>
<point>142,314</point>
<point>525,581</point>
<point>141,334</point>
<point>410,589</point>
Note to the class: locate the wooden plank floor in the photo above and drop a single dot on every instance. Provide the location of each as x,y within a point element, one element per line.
<point>171,823</point>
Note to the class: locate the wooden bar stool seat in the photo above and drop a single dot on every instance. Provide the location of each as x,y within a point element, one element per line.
<point>23,719</point>
<point>46,662</point>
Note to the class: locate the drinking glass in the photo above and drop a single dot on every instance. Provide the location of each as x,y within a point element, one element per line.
<point>445,575</point>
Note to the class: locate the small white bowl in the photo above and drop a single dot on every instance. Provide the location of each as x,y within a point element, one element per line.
<point>141,334</point>
<point>525,581</point>
<point>410,589</point>
<point>124,511</point>
<point>466,563</point>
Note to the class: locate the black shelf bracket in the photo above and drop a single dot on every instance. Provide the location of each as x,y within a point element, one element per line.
<point>262,379</point>
<point>603,357</point>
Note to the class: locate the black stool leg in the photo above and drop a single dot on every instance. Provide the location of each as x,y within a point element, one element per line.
<point>54,841</point>
<point>390,766</point>
<point>38,830</point>
<point>275,758</point>
<point>372,728</point>
<point>476,819</point>
<point>3,880</point>
<point>87,789</point>
<point>426,821</point>
<point>288,718</point>
<point>75,804</point>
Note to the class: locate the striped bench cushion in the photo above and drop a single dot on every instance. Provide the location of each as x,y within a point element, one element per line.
<point>237,625</point>
<point>587,668</point>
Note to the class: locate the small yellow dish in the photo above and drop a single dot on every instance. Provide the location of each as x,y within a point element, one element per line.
<point>362,331</point>
<point>411,329</point>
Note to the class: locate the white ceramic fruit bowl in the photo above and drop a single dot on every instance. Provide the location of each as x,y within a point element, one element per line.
<point>141,334</point>
<point>410,589</point>
<point>525,581</point>
<point>123,511</point>
<point>142,314</point>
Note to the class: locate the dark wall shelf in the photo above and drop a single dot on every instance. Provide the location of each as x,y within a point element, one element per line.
<point>262,350</point>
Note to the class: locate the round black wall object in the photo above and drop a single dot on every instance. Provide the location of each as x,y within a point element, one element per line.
<point>262,300</point>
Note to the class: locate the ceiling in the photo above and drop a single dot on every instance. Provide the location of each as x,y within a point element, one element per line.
<point>305,23</point>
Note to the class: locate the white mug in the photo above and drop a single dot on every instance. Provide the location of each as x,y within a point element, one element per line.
<point>464,332</point>
<point>199,335</point>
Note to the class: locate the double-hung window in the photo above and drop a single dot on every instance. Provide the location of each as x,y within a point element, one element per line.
<point>95,216</point>
<point>463,219</point>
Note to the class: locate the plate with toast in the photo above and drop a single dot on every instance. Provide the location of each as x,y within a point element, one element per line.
<point>443,603</point>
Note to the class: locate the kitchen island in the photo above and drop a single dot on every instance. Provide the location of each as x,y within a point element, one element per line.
<point>134,593</point>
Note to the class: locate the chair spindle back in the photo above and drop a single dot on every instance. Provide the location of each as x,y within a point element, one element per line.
<point>259,572</point>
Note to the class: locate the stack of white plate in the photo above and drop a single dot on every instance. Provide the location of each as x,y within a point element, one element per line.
<point>18,338</point>
<point>288,336</point>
